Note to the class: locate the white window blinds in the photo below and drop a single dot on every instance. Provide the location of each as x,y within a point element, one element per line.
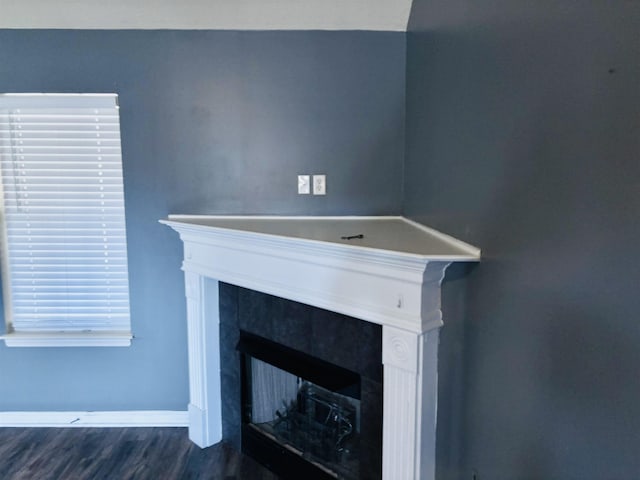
<point>64,249</point>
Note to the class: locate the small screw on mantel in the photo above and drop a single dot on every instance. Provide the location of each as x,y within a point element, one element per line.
<point>351,237</point>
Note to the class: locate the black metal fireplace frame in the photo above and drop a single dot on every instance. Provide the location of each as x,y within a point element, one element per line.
<point>282,460</point>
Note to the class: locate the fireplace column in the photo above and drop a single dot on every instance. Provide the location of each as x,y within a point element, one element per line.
<point>410,403</point>
<point>203,331</point>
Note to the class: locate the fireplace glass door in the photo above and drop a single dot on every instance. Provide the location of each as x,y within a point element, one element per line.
<point>302,420</point>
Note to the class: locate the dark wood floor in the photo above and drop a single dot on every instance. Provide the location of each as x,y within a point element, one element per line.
<point>118,454</point>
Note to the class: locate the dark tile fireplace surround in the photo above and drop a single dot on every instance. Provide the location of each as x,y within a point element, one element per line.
<point>341,340</point>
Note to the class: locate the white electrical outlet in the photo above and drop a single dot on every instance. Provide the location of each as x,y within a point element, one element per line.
<point>319,184</point>
<point>304,187</point>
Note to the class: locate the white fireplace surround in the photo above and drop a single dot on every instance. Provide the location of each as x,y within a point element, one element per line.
<point>391,276</point>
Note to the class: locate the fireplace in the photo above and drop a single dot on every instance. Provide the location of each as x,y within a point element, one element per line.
<point>384,271</point>
<point>297,379</point>
<point>301,416</point>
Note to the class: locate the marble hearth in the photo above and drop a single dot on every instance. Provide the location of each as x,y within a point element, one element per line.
<point>384,270</point>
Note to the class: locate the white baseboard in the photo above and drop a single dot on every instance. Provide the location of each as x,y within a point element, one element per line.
<point>134,418</point>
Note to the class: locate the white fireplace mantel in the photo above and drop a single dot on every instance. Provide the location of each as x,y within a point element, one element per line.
<point>388,271</point>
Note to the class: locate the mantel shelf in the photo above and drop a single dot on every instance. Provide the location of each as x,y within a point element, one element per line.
<point>381,277</point>
<point>392,236</point>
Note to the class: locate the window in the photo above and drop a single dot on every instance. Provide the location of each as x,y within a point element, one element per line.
<point>64,252</point>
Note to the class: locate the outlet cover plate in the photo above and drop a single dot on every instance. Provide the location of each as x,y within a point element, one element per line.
<point>319,184</point>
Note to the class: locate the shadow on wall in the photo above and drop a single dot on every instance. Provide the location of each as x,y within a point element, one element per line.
<point>451,370</point>
<point>522,138</point>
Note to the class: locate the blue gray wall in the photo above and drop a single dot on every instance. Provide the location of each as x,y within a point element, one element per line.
<point>212,122</point>
<point>523,137</point>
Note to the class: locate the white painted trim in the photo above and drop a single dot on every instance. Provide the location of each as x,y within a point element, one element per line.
<point>373,284</point>
<point>67,339</point>
<point>180,217</point>
<point>473,251</point>
<point>133,418</point>
<point>198,224</point>
<point>203,334</point>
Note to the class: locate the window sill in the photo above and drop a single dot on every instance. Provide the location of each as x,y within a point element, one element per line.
<point>67,339</point>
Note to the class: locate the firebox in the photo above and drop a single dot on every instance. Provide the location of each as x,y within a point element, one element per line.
<point>301,416</point>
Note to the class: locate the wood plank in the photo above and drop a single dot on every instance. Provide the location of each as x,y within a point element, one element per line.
<point>118,453</point>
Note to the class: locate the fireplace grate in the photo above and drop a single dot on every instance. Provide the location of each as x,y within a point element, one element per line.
<point>293,425</point>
